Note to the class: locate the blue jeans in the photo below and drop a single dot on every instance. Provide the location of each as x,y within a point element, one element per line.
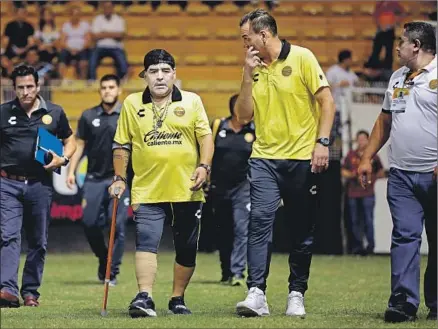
<point>117,54</point>
<point>97,206</point>
<point>412,199</point>
<point>24,204</point>
<point>361,210</point>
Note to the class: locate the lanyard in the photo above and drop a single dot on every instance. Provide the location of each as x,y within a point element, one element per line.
<point>410,77</point>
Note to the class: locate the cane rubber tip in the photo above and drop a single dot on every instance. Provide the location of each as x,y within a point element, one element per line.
<point>103,313</point>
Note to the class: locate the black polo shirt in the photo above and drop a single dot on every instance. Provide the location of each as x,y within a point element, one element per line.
<point>97,128</point>
<point>19,132</point>
<point>232,151</point>
<point>18,32</point>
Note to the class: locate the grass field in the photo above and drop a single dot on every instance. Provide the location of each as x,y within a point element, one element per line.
<point>344,291</point>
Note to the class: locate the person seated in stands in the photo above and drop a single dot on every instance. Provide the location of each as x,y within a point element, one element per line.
<point>47,37</point>
<point>108,31</point>
<point>17,37</point>
<point>46,71</point>
<point>75,43</point>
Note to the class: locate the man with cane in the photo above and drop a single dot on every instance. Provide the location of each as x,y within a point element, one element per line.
<point>161,129</point>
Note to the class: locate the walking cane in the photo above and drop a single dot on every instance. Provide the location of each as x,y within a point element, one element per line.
<point>110,251</point>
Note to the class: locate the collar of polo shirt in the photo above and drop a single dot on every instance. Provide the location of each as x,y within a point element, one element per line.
<point>176,95</point>
<point>117,109</point>
<point>43,104</point>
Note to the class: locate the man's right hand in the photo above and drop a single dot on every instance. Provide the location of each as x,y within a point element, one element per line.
<point>252,61</point>
<point>71,181</point>
<point>116,189</point>
<point>364,172</point>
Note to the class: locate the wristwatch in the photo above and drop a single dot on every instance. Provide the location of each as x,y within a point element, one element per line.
<point>206,167</point>
<point>117,178</point>
<point>66,161</point>
<point>323,141</point>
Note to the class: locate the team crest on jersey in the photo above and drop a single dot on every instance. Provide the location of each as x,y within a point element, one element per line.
<point>433,84</point>
<point>249,137</point>
<point>47,119</point>
<point>179,111</point>
<point>286,71</point>
<point>84,203</point>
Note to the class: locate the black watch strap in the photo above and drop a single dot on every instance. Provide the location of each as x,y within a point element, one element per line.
<point>119,178</point>
<point>206,167</point>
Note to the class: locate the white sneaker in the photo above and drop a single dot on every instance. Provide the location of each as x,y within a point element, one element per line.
<point>255,304</point>
<point>295,304</point>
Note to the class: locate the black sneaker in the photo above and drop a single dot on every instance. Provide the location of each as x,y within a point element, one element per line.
<point>101,270</point>
<point>177,306</point>
<point>432,315</point>
<point>225,280</point>
<point>142,306</point>
<point>401,312</point>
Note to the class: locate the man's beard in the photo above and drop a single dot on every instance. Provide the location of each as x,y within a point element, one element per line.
<point>111,104</point>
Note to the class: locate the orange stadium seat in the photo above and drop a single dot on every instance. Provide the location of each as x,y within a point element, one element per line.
<point>226,60</point>
<point>343,33</point>
<point>285,9</point>
<point>169,33</point>
<point>197,33</point>
<point>139,10</point>
<point>288,33</point>
<point>136,33</point>
<point>227,33</point>
<point>168,10</point>
<point>197,9</point>
<point>197,85</point>
<point>224,86</point>
<point>226,9</point>
<point>315,33</point>
<point>368,33</point>
<point>196,59</point>
<point>313,9</point>
<point>341,9</point>
<point>367,8</point>
<point>135,59</point>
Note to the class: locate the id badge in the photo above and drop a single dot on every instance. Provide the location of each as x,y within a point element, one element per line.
<point>399,100</point>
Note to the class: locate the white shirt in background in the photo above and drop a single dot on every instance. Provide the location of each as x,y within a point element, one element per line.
<point>336,74</point>
<point>75,36</point>
<point>115,24</point>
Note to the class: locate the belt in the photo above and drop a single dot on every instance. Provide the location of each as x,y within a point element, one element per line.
<point>3,173</point>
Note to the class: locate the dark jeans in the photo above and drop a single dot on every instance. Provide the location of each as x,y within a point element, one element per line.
<point>117,54</point>
<point>412,199</point>
<point>383,39</point>
<point>361,214</point>
<point>271,181</point>
<point>24,204</point>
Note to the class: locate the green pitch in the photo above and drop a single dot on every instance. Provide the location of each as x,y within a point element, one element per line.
<point>345,292</point>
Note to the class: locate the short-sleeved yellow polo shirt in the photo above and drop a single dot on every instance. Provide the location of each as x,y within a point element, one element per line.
<point>286,114</point>
<point>163,160</point>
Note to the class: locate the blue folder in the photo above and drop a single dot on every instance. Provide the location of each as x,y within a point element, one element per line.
<point>45,142</point>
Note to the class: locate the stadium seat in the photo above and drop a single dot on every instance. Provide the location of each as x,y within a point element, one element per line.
<point>226,86</point>
<point>135,59</point>
<point>313,9</point>
<point>197,9</point>
<point>343,33</point>
<point>226,60</point>
<point>288,33</point>
<point>197,85</point>
<point>226,9</point>
<point>168,10</point>
<point>169,33</point>
<point>315,33</point>
<point>197,33</point>
<point>139,10</point>
<point>87,9</point>
<point>227,33</point>
<point>196,60</point>
<point>427,9</point>
<point>107,61</point>
<point>136,33</point>
<point>368,33</point>
<point>59,9</point>
<point>341,9</point>
<point>323,60</point>
<point>284,9</point>
<point>31,9</point>
<point>367,8</point>
<point>119,9</point>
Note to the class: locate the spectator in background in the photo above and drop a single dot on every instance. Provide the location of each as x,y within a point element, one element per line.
<point>75,41</point>
<point>47,36</point>
<point>18,36</point>
<point>46,71</point>
<point>361,201</point>
<point>229,191</point>
<point>386,16</point>
<point>108,31</point>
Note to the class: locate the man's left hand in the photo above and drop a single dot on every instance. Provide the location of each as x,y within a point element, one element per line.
<point>56,162</point>
<point>434,174</point>
<point>199,177</point>
<point>320,158</point>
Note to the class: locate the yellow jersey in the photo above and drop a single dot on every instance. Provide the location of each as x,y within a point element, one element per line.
<point>286,114</point>
<point>165,158</point>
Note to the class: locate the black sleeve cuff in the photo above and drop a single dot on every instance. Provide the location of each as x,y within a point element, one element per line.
<point>386,111</point>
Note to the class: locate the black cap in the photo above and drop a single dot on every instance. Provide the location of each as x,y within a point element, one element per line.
<point>155,57</point>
